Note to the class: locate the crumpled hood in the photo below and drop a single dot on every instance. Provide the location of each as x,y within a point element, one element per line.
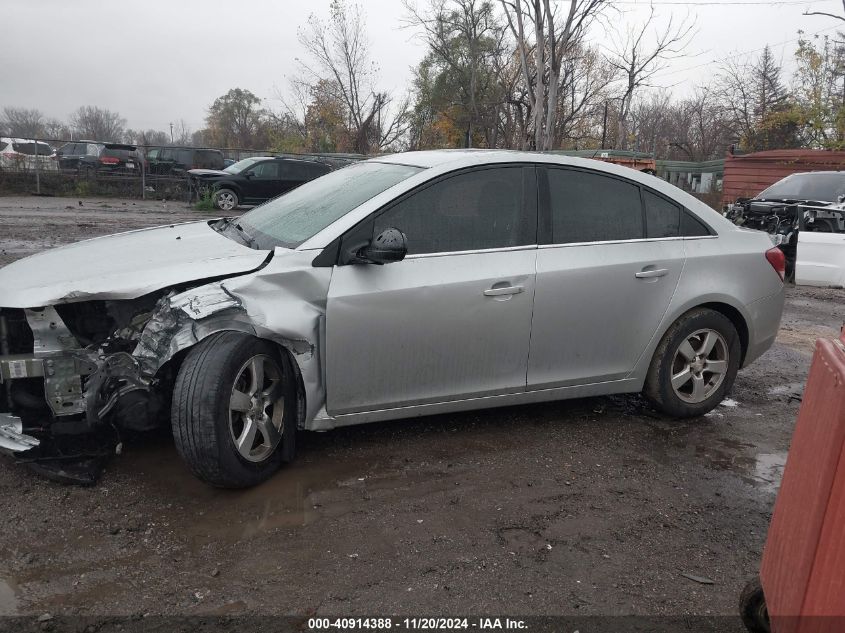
<point>208,173</point>
<point>124,266</point>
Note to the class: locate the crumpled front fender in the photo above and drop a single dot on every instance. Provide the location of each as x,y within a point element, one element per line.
<point>284,302</point>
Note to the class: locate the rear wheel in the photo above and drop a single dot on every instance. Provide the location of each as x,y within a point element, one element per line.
<point>225,199</point>
<point>694,365</point>
<point>234,406</point>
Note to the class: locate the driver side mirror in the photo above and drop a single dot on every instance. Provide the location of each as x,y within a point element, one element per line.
<point>389,246</point>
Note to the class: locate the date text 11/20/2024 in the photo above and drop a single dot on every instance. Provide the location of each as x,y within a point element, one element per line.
<point>421,624</point>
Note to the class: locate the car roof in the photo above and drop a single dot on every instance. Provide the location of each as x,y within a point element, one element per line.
<point>452,159</point>
<point>812,173</point>
<point>9,139</point>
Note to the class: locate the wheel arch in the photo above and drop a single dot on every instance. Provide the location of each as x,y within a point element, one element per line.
<point>725,306</point>
<point>171,366</point>
<point>226,184</point>
<point>739,322</point>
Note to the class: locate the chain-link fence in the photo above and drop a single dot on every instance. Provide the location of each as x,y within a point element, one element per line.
<point>89,168</point>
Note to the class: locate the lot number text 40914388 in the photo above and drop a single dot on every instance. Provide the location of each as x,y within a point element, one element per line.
<point>414,624</point>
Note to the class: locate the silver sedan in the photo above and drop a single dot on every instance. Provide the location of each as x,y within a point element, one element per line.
<point>406,285</point>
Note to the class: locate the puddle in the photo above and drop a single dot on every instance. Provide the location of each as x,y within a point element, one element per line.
<point>763,470</point>
<point>8,597</point>
<point>300,494</point>
<point>768,470</point>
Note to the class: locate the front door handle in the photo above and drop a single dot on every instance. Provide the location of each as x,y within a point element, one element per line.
<point>506,290</point>
<point>648,274</point>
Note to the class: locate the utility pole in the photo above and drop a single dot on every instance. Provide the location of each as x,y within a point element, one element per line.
<point>604,128</point>
<point>171,134</point>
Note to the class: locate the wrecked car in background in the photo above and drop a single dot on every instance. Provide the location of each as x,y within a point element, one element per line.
<point>406,285</point>
<point>812,202</point>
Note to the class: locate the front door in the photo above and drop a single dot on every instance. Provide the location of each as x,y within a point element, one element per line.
<point>452,320</point>
<point>263,182</point>
<point>604,281</point>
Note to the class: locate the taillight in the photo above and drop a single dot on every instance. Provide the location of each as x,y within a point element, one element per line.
<point>109,160</point>
<point>778,261</point>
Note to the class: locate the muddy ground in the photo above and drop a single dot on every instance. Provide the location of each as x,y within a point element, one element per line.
<point>592,506</point>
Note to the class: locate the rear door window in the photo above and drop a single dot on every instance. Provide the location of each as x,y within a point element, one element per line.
<point>591,207</point>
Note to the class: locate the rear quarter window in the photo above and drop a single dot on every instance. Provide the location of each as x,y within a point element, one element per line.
<point>691,226</point>
<point>3,145</point>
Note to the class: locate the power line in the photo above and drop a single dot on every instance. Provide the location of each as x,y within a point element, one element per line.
<point>744,53</point>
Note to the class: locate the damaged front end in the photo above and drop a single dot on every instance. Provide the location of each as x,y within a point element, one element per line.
<point>71,384</point>
<point>77,377</point>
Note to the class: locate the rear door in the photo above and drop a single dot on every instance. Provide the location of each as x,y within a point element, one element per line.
<point>605,277</point>
<point>453,320</point>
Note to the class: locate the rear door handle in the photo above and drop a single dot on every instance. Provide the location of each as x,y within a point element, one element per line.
<point>647,274</point>
<point>507,290</point>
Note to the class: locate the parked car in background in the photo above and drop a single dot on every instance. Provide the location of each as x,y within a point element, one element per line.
<point>228,162</point>
<point>820,255</point>
<point>89,157</point>
<point>21,154</point>
<point>803,202</point>
<point>405,285</point>
<point>256,180</point>
<point>178,160</point>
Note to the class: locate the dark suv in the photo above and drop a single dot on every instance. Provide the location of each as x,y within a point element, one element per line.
<point>256,180</point>
<point>178,160</point>
<point>88,157</point>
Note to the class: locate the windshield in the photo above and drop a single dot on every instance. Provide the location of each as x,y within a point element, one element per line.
<point>238,167</point>
<point>300,214</point>
<point>818,187</point>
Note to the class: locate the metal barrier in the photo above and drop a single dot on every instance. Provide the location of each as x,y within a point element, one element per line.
<point>803,567</point>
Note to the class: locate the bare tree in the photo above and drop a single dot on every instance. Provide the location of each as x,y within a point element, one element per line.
<point>553,40</point>
<point>97,124</point>
<point>181,133</point>
<point>751,92</point>
<point>639,59</point>
<point>23,122</point>
<point>585,83</point>
<point>830,15</point>
<point>339,53</point>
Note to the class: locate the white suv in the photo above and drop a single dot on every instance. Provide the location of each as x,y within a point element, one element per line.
<point>20,154</point>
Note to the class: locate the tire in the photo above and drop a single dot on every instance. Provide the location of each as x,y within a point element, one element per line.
<point>217,408</point>
<point>752,608</point>
<point>226,200</point>
<point>702,377</point>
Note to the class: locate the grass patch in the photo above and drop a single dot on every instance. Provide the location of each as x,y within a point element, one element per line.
<point>205,202</point>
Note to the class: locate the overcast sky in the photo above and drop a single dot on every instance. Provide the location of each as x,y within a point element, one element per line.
<point>159,61</point>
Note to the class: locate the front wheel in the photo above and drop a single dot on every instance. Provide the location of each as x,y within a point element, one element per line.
<point>694,365</point>
<point>225,199</point>
<point>752,608</point>
<point>234,410</point>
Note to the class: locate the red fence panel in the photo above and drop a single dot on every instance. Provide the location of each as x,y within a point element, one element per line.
<point>803,567</point>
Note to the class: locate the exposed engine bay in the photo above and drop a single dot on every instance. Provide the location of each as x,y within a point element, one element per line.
<point>784,219</point>
<point>69,373</point>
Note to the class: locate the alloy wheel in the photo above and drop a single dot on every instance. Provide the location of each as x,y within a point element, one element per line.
<point>699,366</point>
<point>256,408</point>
